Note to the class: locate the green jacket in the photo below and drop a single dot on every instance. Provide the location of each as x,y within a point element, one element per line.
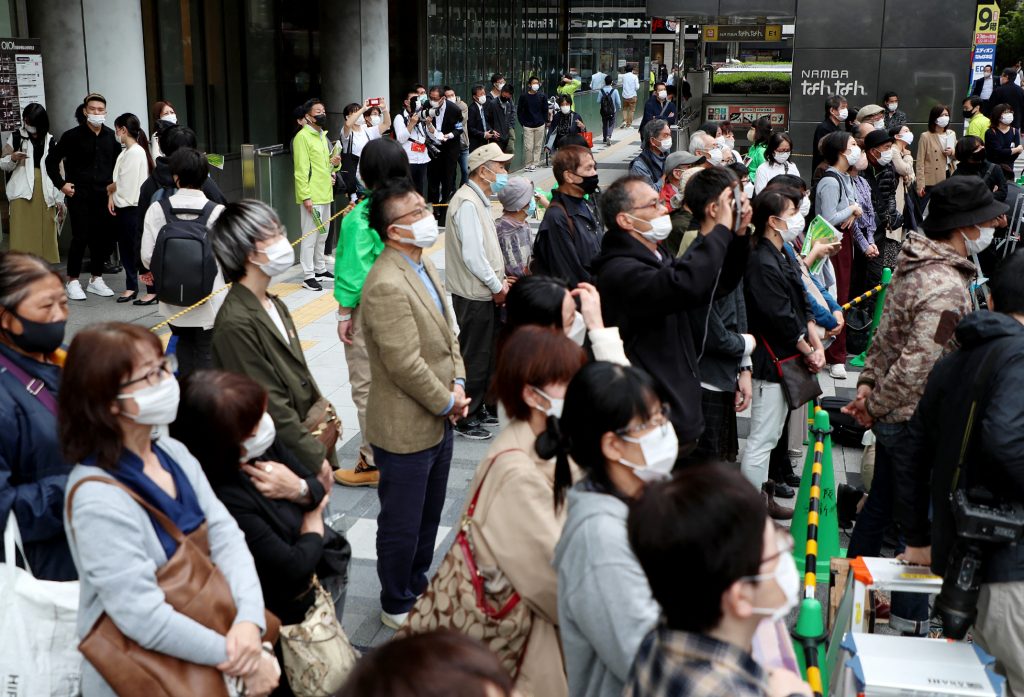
<point>359,245</point>
<point>246,341</point>
<point>570,89</point>
<point>311,153</point>
<point>756,155</point>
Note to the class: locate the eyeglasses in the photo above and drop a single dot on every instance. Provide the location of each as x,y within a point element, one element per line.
<point>659,419</point>
<point>653,204</point>
<point>427,209</point>
<point>167,366</point>
<point>783,543</point>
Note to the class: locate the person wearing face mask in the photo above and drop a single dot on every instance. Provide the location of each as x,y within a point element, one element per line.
<point>776,161</point>
<point>679,166</point>
<point>35,201</point>
<point>194,330</point>
<point>983,87</point>
<point>657,144</point>
<point>569,237</point>
<point>1002,141</point>
<point>630,88</point>
<point>532,111</point>
<point>779,317</point>
<point>934,154</point>
<point>880,176</point>
<point>609,104</point>
<point>164,117</point>
<point>659,107</point>
<point>741,580</point>
<point>123,473</point>
<point>33,472</point>
<point>568,86</point>
<point>903,163</point>
<point>482,125</point>
<point>255,335</point>
<point>757,135</point>
<point>446,125</point>
<point>475,276</point>
<point>894,118</point>
<point>929,296</point>
<point>418,390</point>
<point>615,429</point>
<point>515,236</point>
<point>977,122</point>
<point>364,123</point>
<point>131,170</point>
<point>836,113</point>
<point>88,153</point>
<point>704,145</point>
<point>564,124</point>
<point>315,169</point>
<point>1009,92</point>
<point>223,423</point>
<point>970,156</point>
<point>647,293</point>
<point>505,102</point>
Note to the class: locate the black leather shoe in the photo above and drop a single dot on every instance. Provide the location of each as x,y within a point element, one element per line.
<point>792,479</point>
<point>152,301</point>
<point>126,298</point>
<point>784,491</point>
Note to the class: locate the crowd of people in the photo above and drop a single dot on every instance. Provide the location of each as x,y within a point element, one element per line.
<point>615,538</point>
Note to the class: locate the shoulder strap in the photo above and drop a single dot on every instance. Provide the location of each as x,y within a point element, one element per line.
<point>157,514</point>
<point>572,225</point>
<point>207,211</point>
<point>165,206</point>
<point>476,495</point>
<point>34,386</point>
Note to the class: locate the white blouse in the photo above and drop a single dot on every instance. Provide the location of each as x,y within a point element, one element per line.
<point>130,171</point>
<point>767,171</point>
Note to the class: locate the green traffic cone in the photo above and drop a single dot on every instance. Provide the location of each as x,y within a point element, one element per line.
<point>809,637</point>
<point>814,556</point>
<point>858,360</point>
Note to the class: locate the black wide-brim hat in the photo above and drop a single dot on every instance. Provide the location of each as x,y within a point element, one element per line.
<point>961,202</point>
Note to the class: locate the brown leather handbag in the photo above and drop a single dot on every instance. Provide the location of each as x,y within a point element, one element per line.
<point>193,586</point>
<point>323,423</point>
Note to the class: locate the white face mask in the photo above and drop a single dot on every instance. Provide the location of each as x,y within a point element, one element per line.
<point>97,119</point>
<point>661,227</point>
<point>556,407</point>
<point>565,109</point>
<point>30,129</point>
<point>782,156</point>
<point>852,156</point>
<point>844,113</point>
<point>260,443</point>
<point>158,404</point>
<point>424,232</point>
<point>907,137</point>
<point>715,156</point>
<point>280,257</point>
<point>534,87</point>
<point>794,226</point>
<point>885,157</point>
<point>482,99</point>
<point>170,118</point>
<point>375,120</point>
<point>788,579</point>
<point>660,449</point>
<point>578,331</point>
<point>879,125</point>
<point>805,206</point>
<point>435,104</point>
<point>730,142</point>
<point>662,94</point>
<point>500,85</point>
<point>1006,118</point>
<point>665,144</point>
<point>981,244</point>
<point>891,106</point>
<point>748,189</point>
<point>942,121</point>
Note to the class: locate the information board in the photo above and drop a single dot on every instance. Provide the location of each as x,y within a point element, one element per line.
<point>21,79</point>
<point>742,32</point>
<point>986,31</point>
<point>743,114</point>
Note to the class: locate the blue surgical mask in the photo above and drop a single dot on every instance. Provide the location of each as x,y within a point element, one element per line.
<point>500,180</point>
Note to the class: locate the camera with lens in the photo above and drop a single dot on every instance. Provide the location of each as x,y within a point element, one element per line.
<point>983,522</point>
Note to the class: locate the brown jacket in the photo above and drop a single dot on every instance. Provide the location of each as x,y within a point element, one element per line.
<point>414,356</point>
<point>515,529</point>
<point>926,300</point>
<point>932,166</point>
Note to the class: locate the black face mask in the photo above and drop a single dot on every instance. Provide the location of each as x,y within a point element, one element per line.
<point>321,120</point>
<point>37,337</point>
<point>968,113</point>
<point>589,184</point>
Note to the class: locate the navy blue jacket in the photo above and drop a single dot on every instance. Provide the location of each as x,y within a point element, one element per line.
<point>654,109</point>
<point>532,109</point>
<point>33,473</point>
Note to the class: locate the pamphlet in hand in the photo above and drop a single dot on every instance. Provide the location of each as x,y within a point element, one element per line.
<point>819,229</point>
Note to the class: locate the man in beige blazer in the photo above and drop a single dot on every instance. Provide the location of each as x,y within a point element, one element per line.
<point>417,390</point>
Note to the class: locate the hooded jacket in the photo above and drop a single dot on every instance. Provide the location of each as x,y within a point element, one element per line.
<point>995,458</point>
<point>926,300</point>
<point>647,297</point>
<point>605,606</point>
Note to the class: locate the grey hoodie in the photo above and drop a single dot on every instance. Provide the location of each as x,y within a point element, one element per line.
<point>605,607</point>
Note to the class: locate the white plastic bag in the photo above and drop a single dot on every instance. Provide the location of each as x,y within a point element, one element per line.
<point>38,644</point>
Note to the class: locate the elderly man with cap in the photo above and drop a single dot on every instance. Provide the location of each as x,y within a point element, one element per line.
<point>514,235</point>
<point>570,235</point>
<point>881,176</point>
<point>872,114</point>
<point>475,276</point>
<point>677,165</point>
<point>930,293</point>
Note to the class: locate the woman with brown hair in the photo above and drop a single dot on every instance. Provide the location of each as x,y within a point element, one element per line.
<point>118,389</point>
<point>164,117</point>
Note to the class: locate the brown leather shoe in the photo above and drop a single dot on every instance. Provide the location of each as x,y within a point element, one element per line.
<point>775,511</point>
<point>362,475</point>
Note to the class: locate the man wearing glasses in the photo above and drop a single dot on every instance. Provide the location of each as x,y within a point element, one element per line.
<point>647,293</point>
<point>417,392</point>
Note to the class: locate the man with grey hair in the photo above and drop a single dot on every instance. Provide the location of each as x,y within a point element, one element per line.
<point>657,144</point>
<point>704,145</point>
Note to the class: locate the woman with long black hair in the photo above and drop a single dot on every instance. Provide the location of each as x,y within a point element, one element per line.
<point>132,168</point>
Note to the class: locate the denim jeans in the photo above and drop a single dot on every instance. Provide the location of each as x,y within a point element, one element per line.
<point>876,517</point>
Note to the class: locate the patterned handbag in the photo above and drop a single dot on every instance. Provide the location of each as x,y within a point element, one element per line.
<point>317,654</point>
<point>458,599</point>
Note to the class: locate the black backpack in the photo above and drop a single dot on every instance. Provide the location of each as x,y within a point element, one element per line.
<point>183,264</point>
<point>607,105</point>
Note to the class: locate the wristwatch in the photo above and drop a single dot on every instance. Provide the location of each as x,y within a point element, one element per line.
<point>303,489</point>
<point>746,368</point>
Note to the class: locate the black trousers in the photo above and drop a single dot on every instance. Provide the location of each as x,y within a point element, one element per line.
<point>479,321</point>
<point>194,349</point>
<point>419,178</point>
<point>719,441</point>
<point>127,223</point>
<point>441,180</point>
<point>92,227</point>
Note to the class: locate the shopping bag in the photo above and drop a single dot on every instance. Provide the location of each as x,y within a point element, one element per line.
<point>589,137</point>
<point>38,643</point>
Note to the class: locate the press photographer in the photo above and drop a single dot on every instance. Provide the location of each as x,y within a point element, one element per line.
<point>965,444</point>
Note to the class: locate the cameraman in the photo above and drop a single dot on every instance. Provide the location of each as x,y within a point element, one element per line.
<point>993,343</point>
<point>411,132</point>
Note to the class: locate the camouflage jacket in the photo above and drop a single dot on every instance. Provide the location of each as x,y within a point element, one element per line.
<point>928,296</point>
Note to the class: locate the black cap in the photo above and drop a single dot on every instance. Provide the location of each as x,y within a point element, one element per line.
<point>876,138</point>
<point>961,202</point>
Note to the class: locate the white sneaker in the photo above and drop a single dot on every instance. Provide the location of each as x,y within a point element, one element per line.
<point>393,621</point>
<point>837,371</point>
<point>97,286</point>
<point>74,290</point>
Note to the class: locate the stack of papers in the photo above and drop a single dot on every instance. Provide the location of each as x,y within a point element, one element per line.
<point>819,229</point>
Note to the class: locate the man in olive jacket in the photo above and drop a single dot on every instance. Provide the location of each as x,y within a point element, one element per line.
<point>417,389</point>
